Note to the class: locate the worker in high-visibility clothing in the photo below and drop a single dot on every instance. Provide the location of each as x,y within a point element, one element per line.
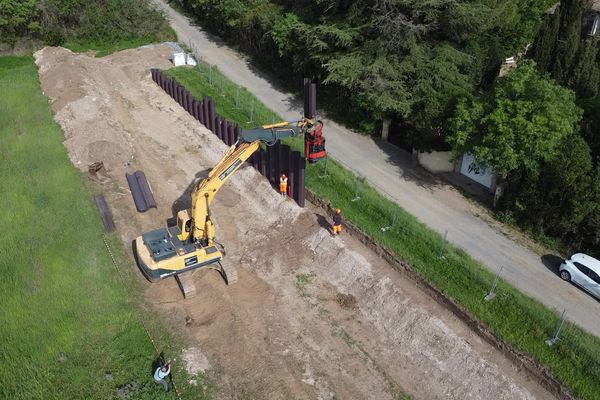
<point>283,185</point>
<point>337,222</point>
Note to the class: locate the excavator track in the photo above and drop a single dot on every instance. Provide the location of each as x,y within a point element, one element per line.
<point>228,272</point>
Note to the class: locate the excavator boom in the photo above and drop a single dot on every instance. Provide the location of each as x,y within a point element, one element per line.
<point>190,244</point>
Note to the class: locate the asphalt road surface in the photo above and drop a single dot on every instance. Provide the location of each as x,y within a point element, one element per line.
<point>392,172</point>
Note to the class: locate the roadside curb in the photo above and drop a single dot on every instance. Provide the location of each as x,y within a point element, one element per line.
<point>521,359</point>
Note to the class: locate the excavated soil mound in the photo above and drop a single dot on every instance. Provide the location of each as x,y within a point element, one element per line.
<point>285,330</point>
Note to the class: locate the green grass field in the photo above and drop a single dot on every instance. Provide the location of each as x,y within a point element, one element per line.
<point>69,326</point>
<point>512,316</point>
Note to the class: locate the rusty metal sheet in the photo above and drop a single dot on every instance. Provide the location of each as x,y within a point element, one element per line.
<point>105,214</point>
<point>140,190</point>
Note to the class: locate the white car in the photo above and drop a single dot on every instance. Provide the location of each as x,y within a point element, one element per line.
<point>584,271</point>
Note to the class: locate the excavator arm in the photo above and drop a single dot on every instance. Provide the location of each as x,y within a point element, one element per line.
<point>201,227</point>
<point>191,243</point>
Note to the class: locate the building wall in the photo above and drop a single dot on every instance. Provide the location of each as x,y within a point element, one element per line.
<point>436,161</point>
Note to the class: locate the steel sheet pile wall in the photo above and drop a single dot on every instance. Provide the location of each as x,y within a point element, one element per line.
<point>273,162</point>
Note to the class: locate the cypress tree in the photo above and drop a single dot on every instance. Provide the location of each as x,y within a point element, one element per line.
<point>545,43</point>
<point>569,39</point>
<point>586,70</point>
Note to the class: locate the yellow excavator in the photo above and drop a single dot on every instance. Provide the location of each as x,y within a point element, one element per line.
<point>191,243</point>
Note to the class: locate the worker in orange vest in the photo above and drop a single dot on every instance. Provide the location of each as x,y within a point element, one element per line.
<point>337,222</point>
<point>283,185</point>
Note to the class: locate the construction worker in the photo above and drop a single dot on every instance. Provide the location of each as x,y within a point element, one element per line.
<point>283,185</point>
<point>337,222</point>
<point>161,373</point>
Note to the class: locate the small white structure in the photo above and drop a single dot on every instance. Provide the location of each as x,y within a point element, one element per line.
<point>190,60</point>
<point>485,178</point>
<point>178,59</point>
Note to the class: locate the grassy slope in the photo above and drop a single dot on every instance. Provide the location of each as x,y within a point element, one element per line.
<point>60,291</point>
<point>514,317</point>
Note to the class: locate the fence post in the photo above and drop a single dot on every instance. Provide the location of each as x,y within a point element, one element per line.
<point>356,188</point>
<point>492,293</point>
<point>325,175</point>
<point>553,340</point>
<point>393,224</point>
<point>443,245</point>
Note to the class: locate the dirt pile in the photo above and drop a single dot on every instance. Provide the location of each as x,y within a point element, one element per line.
<point>312,316</point>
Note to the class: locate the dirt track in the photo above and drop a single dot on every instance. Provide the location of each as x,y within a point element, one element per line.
<point>312,316</point>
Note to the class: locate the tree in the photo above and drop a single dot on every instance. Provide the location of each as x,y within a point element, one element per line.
<point>585,78</point>
<point>559,199</point>
<point>590,125</point>
<point>519,124</point>
<point>545,42</point>
<point>16,17</point>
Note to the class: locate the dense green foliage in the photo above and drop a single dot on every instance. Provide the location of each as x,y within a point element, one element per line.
<point>66,318</point>
<point>82,21</point>
<point>532,134</point>
<point>566,52</point>
<point>400,59</point>
<point>520,124</point>
<point>512,316</point>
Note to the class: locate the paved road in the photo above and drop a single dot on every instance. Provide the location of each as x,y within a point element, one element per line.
<point>392,172</point>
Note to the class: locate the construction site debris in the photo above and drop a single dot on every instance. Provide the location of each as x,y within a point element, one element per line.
<point>94,167</point>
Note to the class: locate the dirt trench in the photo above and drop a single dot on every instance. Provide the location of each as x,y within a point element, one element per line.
<point>312,316</point>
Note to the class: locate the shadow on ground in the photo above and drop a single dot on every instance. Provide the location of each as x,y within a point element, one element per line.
<point>408,166</point>
<point>184,201</point>
<point>552,262</point>
<point>323,222</point>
